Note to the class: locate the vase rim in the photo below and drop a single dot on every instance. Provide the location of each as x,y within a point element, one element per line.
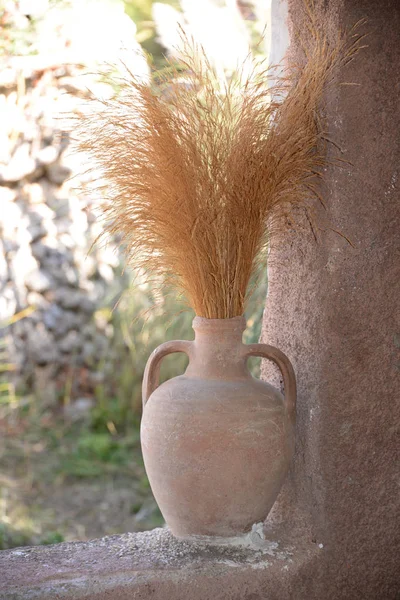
<point>231,323</point>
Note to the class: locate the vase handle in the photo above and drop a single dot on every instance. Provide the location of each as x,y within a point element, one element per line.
<point>285,366</point>
<point>152,370</point>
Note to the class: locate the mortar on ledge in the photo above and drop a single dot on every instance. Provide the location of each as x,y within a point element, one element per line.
<point>253,540</point>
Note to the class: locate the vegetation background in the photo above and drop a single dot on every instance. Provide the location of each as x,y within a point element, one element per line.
<point>73,470</point>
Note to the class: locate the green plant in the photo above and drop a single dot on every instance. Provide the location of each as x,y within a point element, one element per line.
<point>11,537</point>
<point>140,12</point>
<point>52,537</point>
<point>10,400</point>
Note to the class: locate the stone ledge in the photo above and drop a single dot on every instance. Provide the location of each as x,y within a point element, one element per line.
<point>154,565</point>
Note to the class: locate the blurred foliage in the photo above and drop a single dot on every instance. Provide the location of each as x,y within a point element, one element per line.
<point>11,537</point>
<point>140,11</point>
<point>9,399</point>
<point>17,33</point>
<point>143,319</point>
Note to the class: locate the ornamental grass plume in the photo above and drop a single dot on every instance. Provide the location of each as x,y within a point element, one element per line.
<point>201,173</point>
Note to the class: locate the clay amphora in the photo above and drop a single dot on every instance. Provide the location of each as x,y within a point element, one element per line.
<point>216,442</point>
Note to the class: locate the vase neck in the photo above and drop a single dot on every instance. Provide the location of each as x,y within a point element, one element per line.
<point>217,350</point>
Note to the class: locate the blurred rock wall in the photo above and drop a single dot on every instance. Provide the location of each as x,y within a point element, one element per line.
<point>47,228</point>
<point>53,284</point>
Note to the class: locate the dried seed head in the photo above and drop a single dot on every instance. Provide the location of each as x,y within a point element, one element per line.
<point>201,173</point>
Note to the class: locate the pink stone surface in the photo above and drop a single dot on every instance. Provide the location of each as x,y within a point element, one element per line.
<point>334,309</point>
<point>154,565</point>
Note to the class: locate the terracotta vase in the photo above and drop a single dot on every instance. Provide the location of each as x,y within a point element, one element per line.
<point>216,442</point>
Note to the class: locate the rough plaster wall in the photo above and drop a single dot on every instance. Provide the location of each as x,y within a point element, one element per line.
<point>334,309</point>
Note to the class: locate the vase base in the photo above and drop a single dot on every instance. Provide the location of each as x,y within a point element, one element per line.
<point>253,539</point>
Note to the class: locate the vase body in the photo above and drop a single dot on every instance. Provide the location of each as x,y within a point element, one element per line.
<point>217,443</point>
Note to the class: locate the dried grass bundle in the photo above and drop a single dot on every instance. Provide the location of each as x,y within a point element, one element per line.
<point>201,173</point>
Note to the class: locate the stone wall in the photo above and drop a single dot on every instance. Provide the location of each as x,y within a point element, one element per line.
<point>48,225</point>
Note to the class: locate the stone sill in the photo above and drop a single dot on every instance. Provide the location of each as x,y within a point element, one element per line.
<point>155,565</point>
